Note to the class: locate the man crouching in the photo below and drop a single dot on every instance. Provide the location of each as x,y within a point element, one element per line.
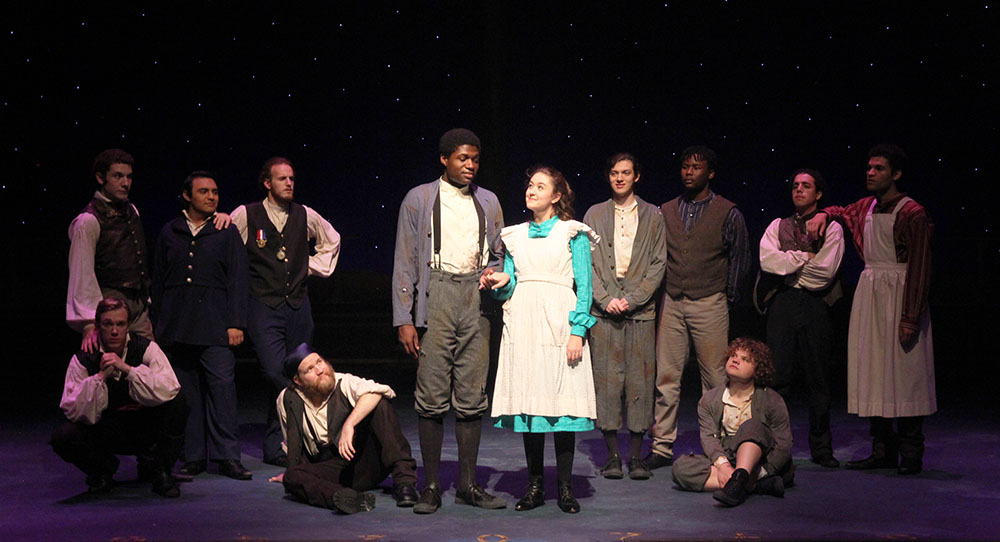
<point>121,399</point>
<point>744,433</point>
<point>342,436</point>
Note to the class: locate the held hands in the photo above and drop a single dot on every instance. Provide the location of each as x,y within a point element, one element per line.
<point>491,280</point>
<point>617,306</point>
<point>235,336</point>
<point>574,350</point>
<point>222,221</point>
<point>408,338</point>
<point>816,226</point>
<point>89,342</point>
<point>346,444</point>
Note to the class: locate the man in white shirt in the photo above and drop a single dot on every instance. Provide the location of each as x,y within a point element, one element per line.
<point>122,398</point>
<point>276,232</point>
<point>343,437</point>
<point>798,324</point>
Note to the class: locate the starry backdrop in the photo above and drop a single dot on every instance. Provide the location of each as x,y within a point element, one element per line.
<point>357,96</point>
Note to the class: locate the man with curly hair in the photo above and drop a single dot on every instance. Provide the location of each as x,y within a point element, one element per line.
<point>744,432</point>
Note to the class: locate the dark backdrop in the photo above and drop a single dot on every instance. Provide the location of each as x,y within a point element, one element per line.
<point>357,97</point>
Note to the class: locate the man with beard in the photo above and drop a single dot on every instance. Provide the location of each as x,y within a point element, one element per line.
<point>343,437</point>
<point>276,232</point>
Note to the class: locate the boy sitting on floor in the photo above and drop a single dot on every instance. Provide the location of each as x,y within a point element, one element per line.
<point>744,432</point>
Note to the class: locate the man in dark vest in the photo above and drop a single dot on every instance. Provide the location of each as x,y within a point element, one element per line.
<point>276,232</point>
<point>799,331</point>
<point>200,309</point>
<point>343,437</point>
<point>708,253</point>
<point>121,399</point>
<point>107,254</point>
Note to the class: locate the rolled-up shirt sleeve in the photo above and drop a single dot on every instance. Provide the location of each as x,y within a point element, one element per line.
<point>327,244</point>
<point>153,382</point>
<point>355,386</point>
<point>84,396</point>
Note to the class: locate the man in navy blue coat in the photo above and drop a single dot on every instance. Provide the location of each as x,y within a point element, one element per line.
<point>200,292</point>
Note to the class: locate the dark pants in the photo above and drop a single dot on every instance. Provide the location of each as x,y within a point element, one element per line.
<point>799,333</point>
<point>274,334</point>
<point>907,440</point>
<point>380,449</point>
<point>153,434</point>
<point>207,375</point>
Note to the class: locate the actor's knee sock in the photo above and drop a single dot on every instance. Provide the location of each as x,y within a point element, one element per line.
<point>565,443</point>
<point>534,453</point>
<point>611,441</point>
<point>635,443</point>
<point>467,433</point>
<point>431,434</point>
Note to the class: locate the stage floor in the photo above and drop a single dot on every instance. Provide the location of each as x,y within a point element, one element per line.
<point>957,497</point>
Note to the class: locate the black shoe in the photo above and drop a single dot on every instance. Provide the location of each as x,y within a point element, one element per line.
<point>234,469</point>
<point>735,491</point>
<point>827,461</point>
<point>430,500</point>
<point>910,466</point>
<point>477,496</point>
<point>771,485</point>
<point>873,462</point>
<point>100,483</point>
<point>654,461</point>
<point>190,470</point>
<point>280,461</point>
<point>349,501</point>
<point>405,494</point>
<point>567,502</point>
<point>164,485</point>
<point>534,496</point>
<point>613,468</point>
<point>637,469</point>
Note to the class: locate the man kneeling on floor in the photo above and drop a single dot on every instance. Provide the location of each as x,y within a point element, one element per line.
<point>342,436</point>
<point>121,399</point>
<point>744,433</point>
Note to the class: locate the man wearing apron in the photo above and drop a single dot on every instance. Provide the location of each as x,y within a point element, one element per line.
<point>890,358</point>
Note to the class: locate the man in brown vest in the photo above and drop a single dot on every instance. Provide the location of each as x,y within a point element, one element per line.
<point>708,253</point>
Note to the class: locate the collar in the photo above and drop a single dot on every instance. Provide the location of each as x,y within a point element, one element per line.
<point>888,206</point>
<point>196,227</point>
<point>449,187</point>
<point>541,230</point>
<point>626,208</point>
<point>275,208</point>
<point>727,398</point>
<point>705,201</point>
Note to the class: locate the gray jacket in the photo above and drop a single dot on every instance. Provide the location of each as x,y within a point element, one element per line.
<point>645,271</point>
<point>411,268</point>
<point>767,407</point>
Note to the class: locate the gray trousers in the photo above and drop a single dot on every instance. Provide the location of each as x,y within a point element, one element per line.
<point>691,471</point>
<point>623,355</point>
<point>454,351</point>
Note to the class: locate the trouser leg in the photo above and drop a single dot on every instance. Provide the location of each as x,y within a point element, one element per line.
<point>708,323</point>
<point>168,420</point>
<point>186,364</point>
<point>394,456</point>
<point>816,345</point>
<point>639,359</point>
<point>607,357</point>
<point>885,441</point>
<point>781,330</point>
<point>672,348</point>
<point>316,483</point>
<point>222,426</point>
<point>81,445</point>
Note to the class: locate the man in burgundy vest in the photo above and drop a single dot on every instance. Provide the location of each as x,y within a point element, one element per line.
<point>708,253</point>
<point>276,232</point>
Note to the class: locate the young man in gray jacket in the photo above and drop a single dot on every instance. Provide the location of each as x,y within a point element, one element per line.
<point>628,268</point>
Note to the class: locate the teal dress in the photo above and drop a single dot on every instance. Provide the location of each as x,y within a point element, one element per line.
<point>543,384</point>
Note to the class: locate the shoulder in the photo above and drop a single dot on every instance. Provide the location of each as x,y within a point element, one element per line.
<point>671,204</point>
<point>483,194</point>
<point>421,191</point>
<point>773,226</point>
<point>85,221</point>
<point>596,211</point>
<point>912,209</point>
<point>719,200</point>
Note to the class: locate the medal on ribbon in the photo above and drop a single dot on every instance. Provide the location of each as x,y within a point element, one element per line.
<point>261,239</point>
